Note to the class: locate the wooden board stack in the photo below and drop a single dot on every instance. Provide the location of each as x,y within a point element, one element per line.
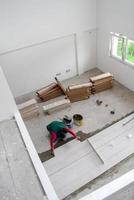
<point>79,92</point>
<point>29,109</point>
<point>49,92</point>
<point>101,82</point>
<point>56,106</point>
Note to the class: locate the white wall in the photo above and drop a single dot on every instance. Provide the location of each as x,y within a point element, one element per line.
<point>114,16</point>
<point>32,68</point>
<point>86,43</point>
<point>45,22</point>
<point>30,21</point>
<point>7,103</point>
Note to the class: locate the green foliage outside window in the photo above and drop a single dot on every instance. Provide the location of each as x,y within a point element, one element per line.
<point>130,50</point>
<point>119,47</point>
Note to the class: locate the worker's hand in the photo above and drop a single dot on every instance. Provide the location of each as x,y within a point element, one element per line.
<point>78,138</point>
<point>52,153</point>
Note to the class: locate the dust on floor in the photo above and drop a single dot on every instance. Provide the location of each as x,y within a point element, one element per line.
<point>118,99</point>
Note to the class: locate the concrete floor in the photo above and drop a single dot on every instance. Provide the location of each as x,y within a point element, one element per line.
<point>18,179</point>
<point>119,99</point>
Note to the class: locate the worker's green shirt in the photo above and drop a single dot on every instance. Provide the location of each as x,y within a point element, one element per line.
<point>55,126</point>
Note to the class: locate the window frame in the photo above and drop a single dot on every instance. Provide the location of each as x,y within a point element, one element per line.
<point>124,49</point>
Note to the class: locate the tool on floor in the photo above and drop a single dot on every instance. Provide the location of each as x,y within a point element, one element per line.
<point>98,102</point>
<point>78,119</point>
<point>112,112</point>
<point>125,123</point>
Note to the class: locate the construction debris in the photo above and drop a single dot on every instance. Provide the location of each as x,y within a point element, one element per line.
<point>101,82</point>
<point>98,102</point>
<point>29,109</point>
<point>49,92</point>
<point>112,112</point>
<point>56,106</point>
<point>60,85</point>
<point>79,92</point>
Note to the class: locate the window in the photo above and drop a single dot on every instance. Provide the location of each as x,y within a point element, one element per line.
<point>122,48</point>
<point>130,51</point>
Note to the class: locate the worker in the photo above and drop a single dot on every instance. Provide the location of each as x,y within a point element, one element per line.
<point>58,131</point>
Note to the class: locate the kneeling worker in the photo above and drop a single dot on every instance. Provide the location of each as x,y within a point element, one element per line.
<point>58,131</point>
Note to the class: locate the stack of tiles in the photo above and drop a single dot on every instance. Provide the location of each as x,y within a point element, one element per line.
<point>101,82</point>
<point>79,92</point>
<point>49,92</point>
<point>29,109</point>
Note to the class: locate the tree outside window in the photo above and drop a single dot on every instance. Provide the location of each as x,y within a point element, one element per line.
<point>130,51</point>
<point>122,48</point>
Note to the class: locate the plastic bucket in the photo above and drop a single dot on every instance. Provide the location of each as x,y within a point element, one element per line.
<point>78,119</point>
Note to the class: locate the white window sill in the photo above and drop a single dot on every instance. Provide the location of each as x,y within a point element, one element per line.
<point>123,62</point>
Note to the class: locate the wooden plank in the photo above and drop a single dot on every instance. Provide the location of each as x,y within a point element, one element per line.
<point>51,96</point>
<point>30,109</point>
<point>79,91</point>
<point>27,104</point>
<point>56,89</point>
<point>78,94</point>
<point>60,85</point>
<point>30,115</point>
<point>78,98</point>
<point>102,82</point>
<point>55,106</point>
<point>84,85</point>
<point>101,76</point>
<point>46,89</point>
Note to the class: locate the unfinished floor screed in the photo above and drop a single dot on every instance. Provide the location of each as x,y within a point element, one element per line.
<point>18,177</point>
<point>119,99</point>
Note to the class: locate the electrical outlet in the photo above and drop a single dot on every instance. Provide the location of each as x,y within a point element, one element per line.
<point>58,74</point>
<point>68,70</point>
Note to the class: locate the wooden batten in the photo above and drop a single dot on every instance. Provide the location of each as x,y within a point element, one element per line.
<point>46,89</point>
<point>29,109</point>
<point>101,82</point>
<point>101,77</point>
<point>50,92</point>
<point>80,86</point>
<point>56,106</point>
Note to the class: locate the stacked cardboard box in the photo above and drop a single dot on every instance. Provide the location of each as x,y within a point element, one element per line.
<point>29,109</point>
<point>101,82</point>
<point>79,92</point>
<point>49,92</point>
<point>56,106</point>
